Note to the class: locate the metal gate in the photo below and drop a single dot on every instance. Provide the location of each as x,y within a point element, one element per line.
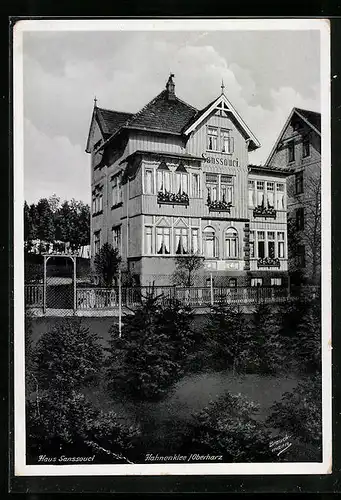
<point>60,281</point>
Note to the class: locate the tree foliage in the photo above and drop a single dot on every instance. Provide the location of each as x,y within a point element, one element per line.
<point>50,220</point>
<point>229,427</point>
<point>186,269</point>
<point>229,339</point>
<point>151,355</point>
<point>299,412</point>
<point>68,356</point>
<point>107,262</point>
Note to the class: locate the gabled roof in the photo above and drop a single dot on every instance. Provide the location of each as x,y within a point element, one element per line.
<point>111,121</point>
<point>311,118</point>
<point>164,114</point>
<point>224,104</point>
<point>108,121</point>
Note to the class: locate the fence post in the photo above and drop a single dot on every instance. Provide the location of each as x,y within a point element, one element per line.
<point>212,294</point>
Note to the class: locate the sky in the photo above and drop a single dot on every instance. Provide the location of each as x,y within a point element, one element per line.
<point>265,73</point>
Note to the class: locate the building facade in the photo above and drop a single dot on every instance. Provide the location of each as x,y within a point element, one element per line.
<point>172,181</point>
<point>298,148</point>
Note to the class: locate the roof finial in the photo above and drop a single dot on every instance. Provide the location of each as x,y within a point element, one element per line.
<point>222,86</point>
<point>95,102</point>
<point>170,87</point>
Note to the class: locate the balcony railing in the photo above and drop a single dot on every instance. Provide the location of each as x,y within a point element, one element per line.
<point>167,198</point>
<point>218,205</point>
<point>268,212</point>
<point>268,262</point>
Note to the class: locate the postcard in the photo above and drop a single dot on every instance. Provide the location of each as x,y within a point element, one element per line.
<point>172,247</point>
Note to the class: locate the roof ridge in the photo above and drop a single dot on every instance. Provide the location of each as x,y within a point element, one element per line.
<point>114,110</point>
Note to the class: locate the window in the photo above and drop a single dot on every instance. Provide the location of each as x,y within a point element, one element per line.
<point>252,244</point>
<point>261,244</point>
<point>97,203</point>
<point>195,241</point>
<point>291,151</point>
<point>300,218</point>
<point>210,243</point>
<point>260,193</point>
<point>163,240</point>
<point>305,147</point>
<point>148,181</point>
<point>280,243</point>
<point>212,136</point>
<point>231,243</point>
<point>271,244</point>
<point>116,190</point>
<point>280,196</point>
<point>299,182</point>
<point>97,241</point>
<point>251,185</point>
<point>148,239</point>
<point>276,281</point>
<point>225,141</point>
<point>256,281</point>
<point>300,258</point>
<point>181,240</point>
<point>270,194</point>
<point>163,179</point>
<point>232,282</point>
<point>226,188</point>
<point>195,185</point>
<point>212,186</point>
<point>116,237</point>
<point>181,182</point>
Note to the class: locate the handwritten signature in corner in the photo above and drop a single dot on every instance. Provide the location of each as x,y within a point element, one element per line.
<point>280,445</point>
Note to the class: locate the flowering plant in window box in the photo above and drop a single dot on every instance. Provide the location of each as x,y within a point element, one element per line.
<point>165,197</point>
<point>268,262</point>
<point>263,211</point>
<point>218,205</point>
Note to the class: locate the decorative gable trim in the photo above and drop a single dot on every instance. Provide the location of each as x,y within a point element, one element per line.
<point>94,119</point>
<point>222,104</point>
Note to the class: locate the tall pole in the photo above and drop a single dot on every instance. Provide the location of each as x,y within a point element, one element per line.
<point>74,284</point>
<point>44,287</point>
<point>212,295</point>
<point>119,304</point>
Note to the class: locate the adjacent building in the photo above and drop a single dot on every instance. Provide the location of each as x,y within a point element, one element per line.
<point>298,147</point>
<point>173,181</point>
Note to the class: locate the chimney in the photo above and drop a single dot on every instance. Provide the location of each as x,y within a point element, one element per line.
<point>170,87</point>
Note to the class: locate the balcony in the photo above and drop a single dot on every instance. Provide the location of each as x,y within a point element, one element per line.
<point>167,198</point>
<point>268,262</point>
<point>218,205</point>
<point>268,212</point>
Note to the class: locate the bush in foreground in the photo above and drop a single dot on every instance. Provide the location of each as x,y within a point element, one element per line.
<point>150,357</point>
<point>228,427</point>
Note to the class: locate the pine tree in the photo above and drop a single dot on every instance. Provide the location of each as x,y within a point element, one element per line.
<point>151,354</point>
<point>268,347</point>
<point>229,337</point>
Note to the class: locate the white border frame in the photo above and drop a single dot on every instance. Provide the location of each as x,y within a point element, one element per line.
<point>21,469</point>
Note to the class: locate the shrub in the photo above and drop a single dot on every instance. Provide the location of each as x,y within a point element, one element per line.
<point>307,344</point>
<point>228,337</point>
<point>267,345</point>
<point>150,356</point>
<point>68,423</point>
<point>228,427</point>
<point>107,261</point>
<point>68,356</point>
<point>299,413</point>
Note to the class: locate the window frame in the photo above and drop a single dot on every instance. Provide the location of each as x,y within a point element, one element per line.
<point>291,151</point>
<point>235,238</point>
<point>299,186</point>
<point>305,143</point>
